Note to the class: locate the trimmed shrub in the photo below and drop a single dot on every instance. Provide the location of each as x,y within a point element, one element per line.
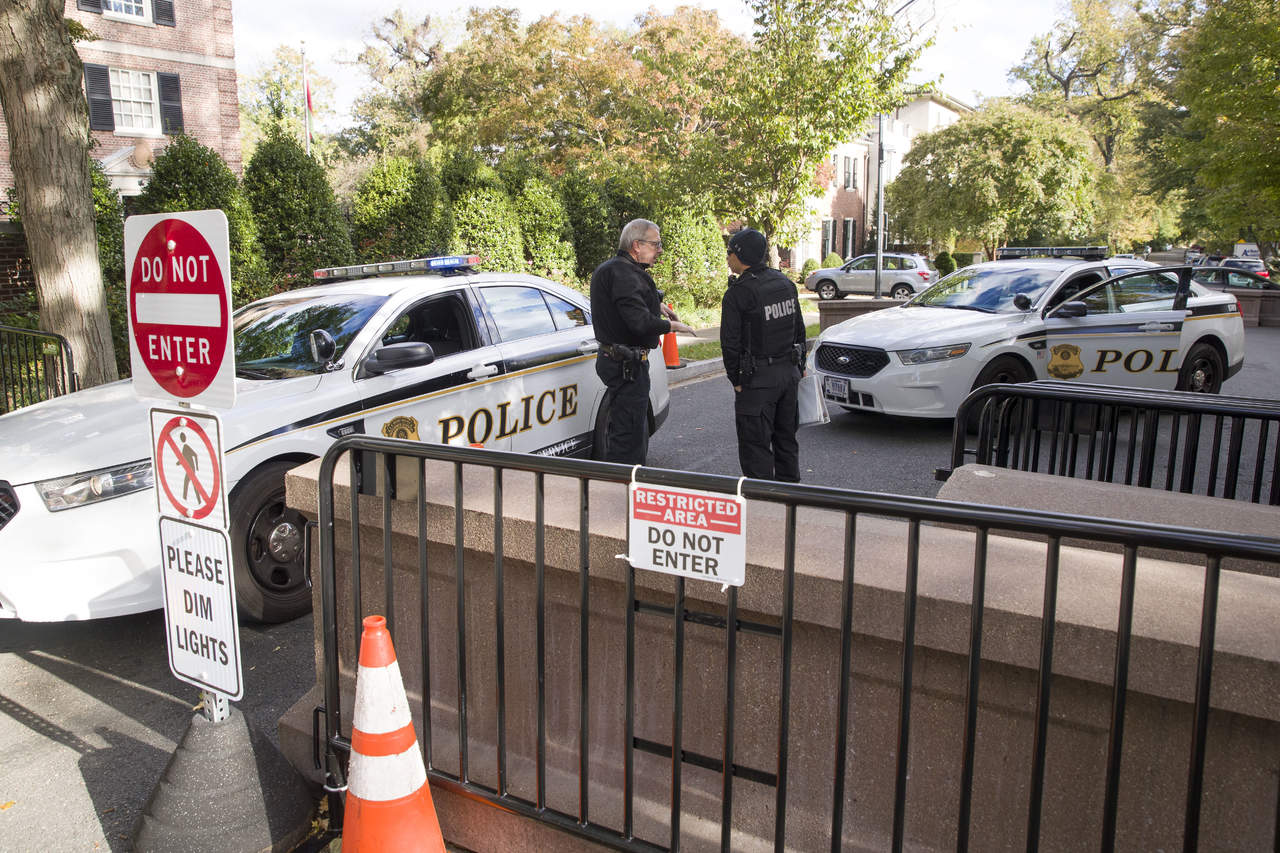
<point>810,266</point>
<point>300,228</point>
<point>591,217</point>
<point>400,210</point>
<point>485,224</point>
<point>544,223</point>
<point>191,176</point>
<point>691,269</point>
<point>944,263</point>
<point>832,260</point>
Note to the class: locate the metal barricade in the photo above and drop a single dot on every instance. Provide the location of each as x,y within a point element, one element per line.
<point>1178,441</point>
<point>380,465</point>
<point>34,366</point>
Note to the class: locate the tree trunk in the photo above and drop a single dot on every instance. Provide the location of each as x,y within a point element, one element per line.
<point>47,117</point>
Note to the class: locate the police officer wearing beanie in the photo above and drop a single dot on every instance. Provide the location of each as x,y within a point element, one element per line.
<point>628,316</point>
<point>762,340</point>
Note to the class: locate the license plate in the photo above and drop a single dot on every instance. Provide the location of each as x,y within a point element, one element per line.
<point>835,387</point>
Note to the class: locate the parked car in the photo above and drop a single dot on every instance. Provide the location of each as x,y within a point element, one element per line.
<point>499,359</point>
<point>1019,320</point>
<point>1253,265</point>
<point>903,276</point>
<point>1223,276</point>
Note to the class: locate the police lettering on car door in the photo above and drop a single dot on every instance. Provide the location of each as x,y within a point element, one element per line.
<point>511,417</point>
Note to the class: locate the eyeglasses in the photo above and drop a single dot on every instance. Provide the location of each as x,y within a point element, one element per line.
<point>657,244</point>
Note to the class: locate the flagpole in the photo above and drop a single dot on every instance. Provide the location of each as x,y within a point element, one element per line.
<point>306,106</point>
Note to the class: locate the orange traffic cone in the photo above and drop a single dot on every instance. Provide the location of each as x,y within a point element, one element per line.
<point>670,348</point>
<point>388,800</point>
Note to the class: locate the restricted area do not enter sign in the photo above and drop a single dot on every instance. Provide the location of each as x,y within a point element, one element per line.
<point>178,269</point>
<point>690,533</point>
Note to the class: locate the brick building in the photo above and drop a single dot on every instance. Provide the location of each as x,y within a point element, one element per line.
<point>157,68</point>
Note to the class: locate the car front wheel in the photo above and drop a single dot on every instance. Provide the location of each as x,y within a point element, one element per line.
<point>267,548</point>
<point>1202,370</point>
<point>827,290</point>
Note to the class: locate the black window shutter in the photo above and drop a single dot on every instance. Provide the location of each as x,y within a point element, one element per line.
<point>170,103</point>
<point>89,6</point>
<point>162,12</point>
<point>97,88</point>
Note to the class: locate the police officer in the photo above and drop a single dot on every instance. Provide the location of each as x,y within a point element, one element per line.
<point>762,340</point>
<point>628,316</point>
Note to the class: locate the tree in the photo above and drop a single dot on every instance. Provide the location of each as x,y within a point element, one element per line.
<point>812,77</point>
<point>300,228</point>
<point>1227,65</point>
<point>272,99</point>
<point>191,176</point>
<point>48,125</point>
<point>1002,173</point>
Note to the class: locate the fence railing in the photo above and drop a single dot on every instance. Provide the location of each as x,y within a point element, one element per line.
<point>34,366</point>
<point>376,464</point>
<point>1178,441</point>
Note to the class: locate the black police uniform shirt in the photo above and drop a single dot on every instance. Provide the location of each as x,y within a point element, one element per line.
<point>760,316</point>
<point>624,304</point>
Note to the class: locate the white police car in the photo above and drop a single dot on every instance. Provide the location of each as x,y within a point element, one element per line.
<point>1024,319</point>
<point>454,356</point>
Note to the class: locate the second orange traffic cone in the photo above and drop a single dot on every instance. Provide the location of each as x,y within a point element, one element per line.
<point>388,799</point>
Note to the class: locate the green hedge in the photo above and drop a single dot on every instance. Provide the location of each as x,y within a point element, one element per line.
<point>944,263</point>
<point>485,224</point>
<point>400,210</point>
<point>548,237</point>
<point>300,228</point>
<point>591,221</point>
<point>691,269</point>
<point>832,260</point>
<point>191,176</point>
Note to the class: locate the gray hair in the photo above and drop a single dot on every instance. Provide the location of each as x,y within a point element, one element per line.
<point>634,230</point>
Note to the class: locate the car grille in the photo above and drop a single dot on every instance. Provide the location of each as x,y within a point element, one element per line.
<point>8,504</point>
<point>851,361</point>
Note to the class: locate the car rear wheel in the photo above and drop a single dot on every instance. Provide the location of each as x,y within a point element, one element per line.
<point>901,291</point>
<point>267,539</point>
<point>827,289</point>
<point>1202,370</point>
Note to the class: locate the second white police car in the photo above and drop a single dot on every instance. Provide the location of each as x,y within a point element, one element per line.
<point>1116,321</point>
<point>425,350</point>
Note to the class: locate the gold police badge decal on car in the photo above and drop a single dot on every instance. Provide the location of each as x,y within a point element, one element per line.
<point>1065,362</point>
<point>401,426</point>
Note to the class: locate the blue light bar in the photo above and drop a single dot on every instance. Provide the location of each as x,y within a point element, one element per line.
<point>443,263</point>
<point>452,262</point>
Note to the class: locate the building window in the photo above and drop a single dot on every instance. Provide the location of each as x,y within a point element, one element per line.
<point>133,101</point>
<point>134,11</point>
<point>848,173</point>
<point>129,8</point>
<point>848,238</point>
<point>828,237</point>
<point>140,103</point>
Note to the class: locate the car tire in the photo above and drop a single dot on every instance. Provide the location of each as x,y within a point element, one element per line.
<point>267,548</point>
<point>902,291</point>
<point>1003,369</point>
<point>827,289</point>
<point>1202,370</point>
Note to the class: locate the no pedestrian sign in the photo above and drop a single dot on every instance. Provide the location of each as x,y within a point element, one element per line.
<point>178,269</point>
<point>187,458</point>
<point>200,607</point>
<point>689,533</point>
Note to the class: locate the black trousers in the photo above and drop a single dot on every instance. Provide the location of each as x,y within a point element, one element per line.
<point>626,411</point>
<point>767,416</point>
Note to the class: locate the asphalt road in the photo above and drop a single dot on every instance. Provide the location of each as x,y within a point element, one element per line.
<point>89,712</point>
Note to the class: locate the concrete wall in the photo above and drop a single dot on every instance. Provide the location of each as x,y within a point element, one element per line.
<point>1244,727</point>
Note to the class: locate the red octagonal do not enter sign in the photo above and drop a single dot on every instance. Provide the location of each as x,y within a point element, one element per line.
<point>180,307</point>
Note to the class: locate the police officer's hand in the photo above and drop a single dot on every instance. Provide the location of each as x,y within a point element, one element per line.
<point>737,388</point>
<point>668,311</point>
<point>677,326</point>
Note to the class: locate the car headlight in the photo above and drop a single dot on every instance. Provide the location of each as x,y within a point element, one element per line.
<point>928,354</point>
<point>104,484</point>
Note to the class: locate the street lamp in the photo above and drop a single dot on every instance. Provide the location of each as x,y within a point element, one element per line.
<point>880,217</point>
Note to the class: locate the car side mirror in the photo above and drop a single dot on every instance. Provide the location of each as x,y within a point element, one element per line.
<point>1072,309</point>
<point>323,346</point>
<point>399,356</point>
<point>1021,301</point>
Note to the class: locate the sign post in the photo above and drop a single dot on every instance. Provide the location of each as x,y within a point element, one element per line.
<point>181,347</point>
<point>688,533</point>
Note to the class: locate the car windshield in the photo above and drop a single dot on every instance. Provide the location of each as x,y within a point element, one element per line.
<point>273,339</point>
<point>989,289</point>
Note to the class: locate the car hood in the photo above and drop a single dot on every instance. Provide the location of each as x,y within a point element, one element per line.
<point>908,327</point>
<point>108,425</point>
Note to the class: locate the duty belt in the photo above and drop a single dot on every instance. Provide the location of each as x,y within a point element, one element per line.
<point>621,352</point>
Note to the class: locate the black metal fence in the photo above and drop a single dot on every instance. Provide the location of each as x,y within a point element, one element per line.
<point>366,459</point>
<point>34,366</point>
<point>1177,441</point>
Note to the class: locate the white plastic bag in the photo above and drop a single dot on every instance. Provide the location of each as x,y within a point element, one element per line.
<point>813,409</point>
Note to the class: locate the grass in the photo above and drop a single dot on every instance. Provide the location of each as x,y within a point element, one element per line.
<point>703,350</point>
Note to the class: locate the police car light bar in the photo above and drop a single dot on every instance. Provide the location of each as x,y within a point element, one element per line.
<point>1088,253</point>
<point>443,263</point>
